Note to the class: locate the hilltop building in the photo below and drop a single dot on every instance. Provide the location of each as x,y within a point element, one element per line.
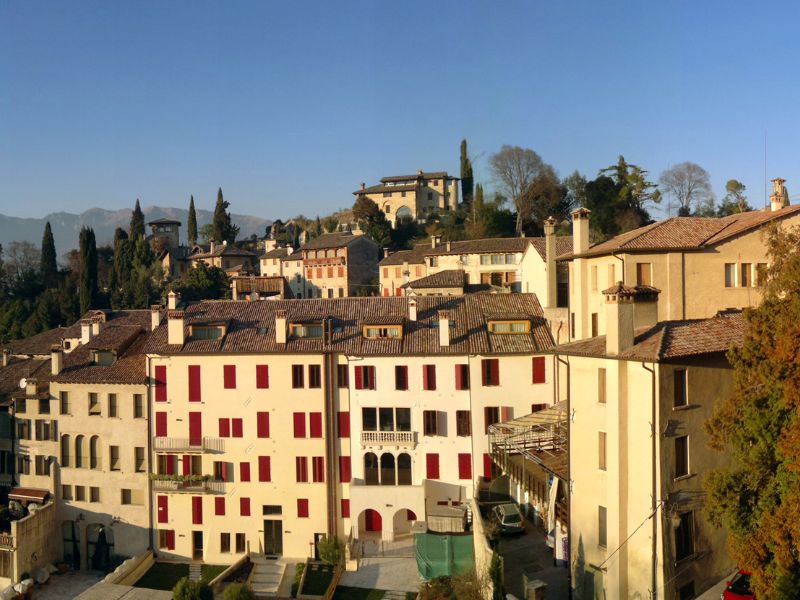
<point>413,197</point>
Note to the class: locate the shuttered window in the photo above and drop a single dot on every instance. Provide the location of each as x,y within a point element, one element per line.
<point>194,383</point>
<point>344,469</point>
<point>229,376</point>
<point>163,509</point>
<point>161,424</point>
<point>244,471</point>
<point>490,371</point>
<point>262,424</point>
<point>345,508</point>
<point>302,508</point>
<point>400,377</point>
<point>432,466</point>
<point>237,428</point>
<point>429,377</point>
<point>343,421</point>
<point>538,368</point>
<point>160,375</point>
<point>224,428</point>
<point>462,377</point>
<point>262,377</point>
<point>301,469</point>
<point>244,507</point>
<point>299,425</point>
<point>197,510</point>
<point>465,466</point>
<point>219,506</point>
<point>315,425</point>
<point>264,468</point>
<point>318,469</point>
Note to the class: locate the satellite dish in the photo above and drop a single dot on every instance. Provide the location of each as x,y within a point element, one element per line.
<point>22,383</point>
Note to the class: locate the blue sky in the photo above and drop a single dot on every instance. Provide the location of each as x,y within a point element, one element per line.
<point>289,105</point>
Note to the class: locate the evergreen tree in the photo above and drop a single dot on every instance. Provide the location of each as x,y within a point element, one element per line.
<point>137,222</point>
<point>88,270</point>
<point>466,174</point>
<point>223,228</point>
<point>49,266</point>
<point>192,223</point>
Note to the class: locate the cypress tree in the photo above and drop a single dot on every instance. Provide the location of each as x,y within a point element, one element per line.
<point>88,266</point>
<point>192,223</point>
<point>466,174</point>
<point>223,228</point>
<point>137,222</point>
<point>49,267</point>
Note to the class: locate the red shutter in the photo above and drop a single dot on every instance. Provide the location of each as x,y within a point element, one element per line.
<point>318,465</point>
<point>432,465</point>
<point>262,376</point>
<point>244,507</point>
<point>161,424</point>
<point>262,424</point>
<point>172,462</point>
<point>465,466</point>
<point>429,377</point>
<point>302,508</point>
<point>163,509</point>
<point>495,367</point>
<point>299,425</point>
<point>344,424</point>
<point>236,428</point>
<point>486,419</point>
<point>425,377</point>
<point>195,428</point>
<point>506,413</point>
<point>538,369</point>
<point>197,510</point>
<point>344,469</point>
<point>301,468</point>
<point>194,383</point>
<point>187,464</point>
<point>459,377</point>
<point>224,428</point>
<point>264,469</point>
<point>315,424</point>
<point>345,508</point>
<point>371,384</point>
<point>244,471</point>
<point>219,505</point>
<point>161,383</point>
<point>171,539</point>
<point>485,372</point>
<point>359,371</point>
<point>487,466</point>
<point>229,376</point>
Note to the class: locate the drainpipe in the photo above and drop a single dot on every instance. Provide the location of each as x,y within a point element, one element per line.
<point>568,482</point>
<point>150,452</point>
<point>622,260</point>
<point>329,369</point>
<point>653,504</point>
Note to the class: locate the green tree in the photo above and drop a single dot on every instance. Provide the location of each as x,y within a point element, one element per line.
<point>330,224</point>
<point>475,226</point>
<point>331,549</point>
<point>689,186</point>
<point>137,222</point>
<point>372,221</point>
<point>88,270</point>
<point>191,223</point>
<point>634,189</point>
<point>467,178</point>
<point>735,200</point>
<point>186,589</point>
<point>576,189</point>
<point>545,196</point>
<point>758,499</point>
<point>238,591</point>
<point>515,168</point>
<point>49,266</point>
<point>222,226</point>
<point>202,283</point>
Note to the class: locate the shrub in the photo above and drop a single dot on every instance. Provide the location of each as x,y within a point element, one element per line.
<point>238,591</point>
<point>191,590</point>
<point>331,549</point>
<point>298,575</point>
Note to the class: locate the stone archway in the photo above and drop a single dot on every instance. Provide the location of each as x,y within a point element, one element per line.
<point>402,521</point>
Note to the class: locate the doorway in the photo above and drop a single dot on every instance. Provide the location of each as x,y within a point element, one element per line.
<point>197,545</point>
<point>372,520</point>
<point>273,537</point>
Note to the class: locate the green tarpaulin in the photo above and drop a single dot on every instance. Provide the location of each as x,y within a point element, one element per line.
<point>443,554</point>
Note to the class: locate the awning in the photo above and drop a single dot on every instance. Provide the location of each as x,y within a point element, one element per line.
<point>28,494</point>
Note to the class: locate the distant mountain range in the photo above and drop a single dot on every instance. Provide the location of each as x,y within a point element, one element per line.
<point>66,226</point>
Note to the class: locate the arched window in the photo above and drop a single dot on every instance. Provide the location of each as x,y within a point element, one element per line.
<point>94,452</point>
<point>80,454</point>
<point>65,450</point>
<point>403,213</point>
<point>371,469</point>
<point>387,469</point>
<point>404,469</point>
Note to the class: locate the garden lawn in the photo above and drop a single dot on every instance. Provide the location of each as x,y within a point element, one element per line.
<point>163,576</point>
<point>318,578</point>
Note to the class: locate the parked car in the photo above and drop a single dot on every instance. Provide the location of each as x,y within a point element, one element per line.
<point>508,518</point>
<point>738,588</point>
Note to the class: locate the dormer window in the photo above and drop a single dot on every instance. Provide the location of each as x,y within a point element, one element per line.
<point>306,330</point>
<point>206,332</point>
<point>103,358</point>
<point>383,332</point>
<point>515,326</point>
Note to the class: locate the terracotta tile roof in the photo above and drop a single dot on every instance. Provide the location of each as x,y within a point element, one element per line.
<point>277,253</point>
<point>164,222</point>
<point>263,284</point>
<point>115,337</point>
<point>670,339</point>
<point>221,250</point>
<point>39,344</point>
<point>295,255</point>
<point>380,188</point>
<point>18,369</point>
<point>422,175</point>
<point>412,257</point>
<point>688,233</point>
<point>332,240</point>
<point>449,278</point>
<point>563,245</point>
<point>482,246</point>
<point>252,326</point>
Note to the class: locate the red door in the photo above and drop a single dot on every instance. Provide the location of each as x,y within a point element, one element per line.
<point>195,429</point>
<point>372,520</point>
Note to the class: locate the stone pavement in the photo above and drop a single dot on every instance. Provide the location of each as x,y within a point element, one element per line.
<point>266,576</point>
<point>68,585</point>
<point>398,574</point>
<point>110,591</point>
<point>529,554</point>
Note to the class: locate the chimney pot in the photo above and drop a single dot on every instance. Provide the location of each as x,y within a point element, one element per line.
<point>86,331</point>
<point>580,230</point>
<point>280,326</point>
<point>444,328</point>
<point>6,356</point>
<point>385,252</point>
<point>56,359</point>
<point>412,309</point>
<point>779,197</point>
<point>175,329</point>
<point>448,246</point>
<point>155,316</point>
<point>212,246</point>
<point>551,298</point>
<point>363,185</point>
<point>97,324</point>
<point>172,300</point>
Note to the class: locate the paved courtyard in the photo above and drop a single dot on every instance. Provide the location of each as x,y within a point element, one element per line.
<point>529,554</point>
<point>386,566</point>
<point>68,585</point>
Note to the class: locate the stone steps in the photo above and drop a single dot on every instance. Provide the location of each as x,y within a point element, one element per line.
<point>195,571</point>
<point>266,576</point>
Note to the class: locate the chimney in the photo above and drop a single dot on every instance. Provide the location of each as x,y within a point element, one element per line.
<point>155,316</point>
<point>412,309</point>
<point>386,253</point>
<point>212,246</point>
<point>406,272</point>
<point>420,173</point>
<point>448,245</point>
<point>234,288</point>
<point>444,328</point>
<point>580,230</point>
<point>780,197</point>
<point>172,300</point>
<point>550,262</point>
<point>224,242</point>
<point>280,326</point>
<point>86,331</point>
<point>56,359</point>
<point>433,241</point>
<point>97,324</point>
<point>363,185</point>
<point>175,320</point>
<point>31,387</point>
<point>628,308</point>
<point>6,356</point>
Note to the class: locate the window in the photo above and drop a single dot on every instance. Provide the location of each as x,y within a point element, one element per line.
<point>510,327</point>
<point>314,376</point>
<point>21,405</point>
<point>302,508</point>
<point>244,507</point>
<point>389,332</point>
<point>262,424</point>
<point>365,378</point>
<point>402,419</point>
<point>401,377</point>
<point>63,398</point>
<point>341,376</point>
<point>595,327</point>
<point>112,405</point>
<point>299,425</point>
<point>66,492</point>
<point>537,407</point>
<point>240,543</point>
<point>133,497</point>
<point>318,469</point>
<point>138,459</point>
<point>94,404</point>
<point>138,406</point>
<point>224,541</point>
<point>23,464</point>
<point>680,397</point>
<point>681,456</point>
<point>229,377</point>
<point>462,377</point>
<point>44,406</point>
<point>491,416</point>
<point>344,469</point>
<point>315,425</point>
<point>271,509</point>
<point>343,424</point>
<point>490,371</point>
<point>309,330</point>
<point>160,376</point>
<point>601,386</point>
<point>80,493</point>
<point>194,383</point>
<point>594,278</point>
<point>612,276</point>
<point>463,423</point>
<point>386,419</point>
<point>345,508</point>
<point>432,466</point>
<point>601,450</point>
<point>746,279</point>
<point>224,428</point>
<point>42,465</point>
<point>538,369</point>
<point>162,502</point>
<point>432,422</point>
<point>166,539</point>
<point>236,428</point>
<point>262,377</point>
<point>761,274</point>
<point>429,377</point>
<point>644,274</point>
<point>297,376</point>
<point>301,469</point>
<point>113,452</point>
<point>730,275</point>
<point>602,526</point>
<point>197,510</point>
<point>23,429</point>
<point>369,419</point>
<point>684,537</point>
<point>94,494</point>
<point>465,466</point>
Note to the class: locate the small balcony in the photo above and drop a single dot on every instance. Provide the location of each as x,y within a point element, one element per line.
<point>188,445</point>
<point>406,439</point>
<point>189,486</point>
